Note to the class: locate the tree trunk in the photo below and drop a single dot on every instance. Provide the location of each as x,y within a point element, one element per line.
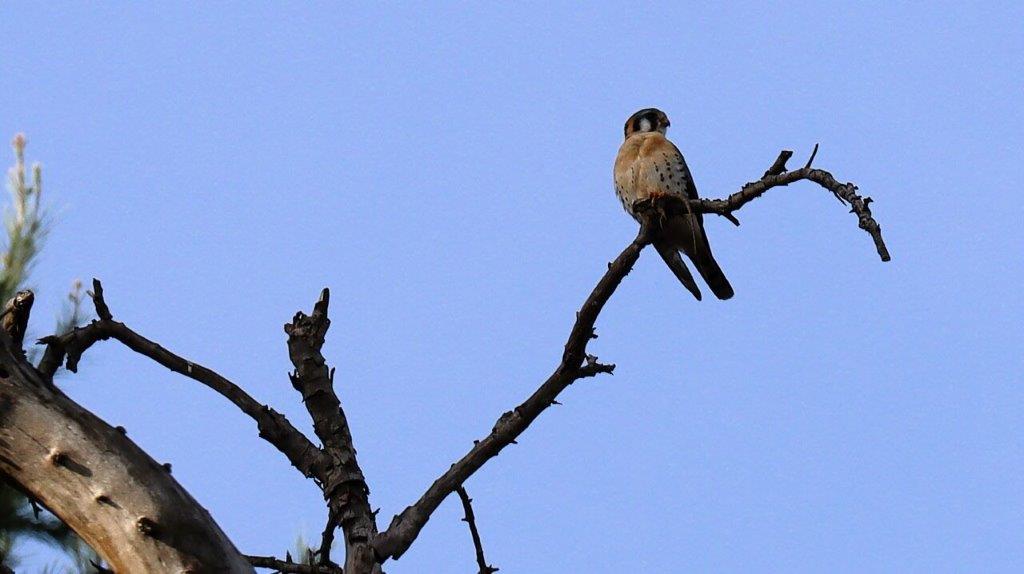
<point>94,478</point>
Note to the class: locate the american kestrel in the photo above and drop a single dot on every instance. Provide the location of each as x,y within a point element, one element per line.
<point>649,166</point>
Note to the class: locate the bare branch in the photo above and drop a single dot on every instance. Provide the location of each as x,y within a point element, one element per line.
<point>102,311</point>
<point>776,176</point>
<point>406,526</point>
<point>286,566</point>
<point>343,483</point>
<point>327,538</point>
<point>273,426</point>
<point>780,163</point>
<point>470,519</point>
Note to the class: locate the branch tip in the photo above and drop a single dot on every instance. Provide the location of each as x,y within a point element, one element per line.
<point>811,159</point>
<point>102,311</point>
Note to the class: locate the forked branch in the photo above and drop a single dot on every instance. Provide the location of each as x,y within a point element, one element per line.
<point>576,363</point>
<point>67,349</point>
<point>777,176</point>
<point>334,466</point>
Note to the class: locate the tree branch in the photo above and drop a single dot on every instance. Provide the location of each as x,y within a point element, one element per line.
<point>343,484</point>
<point>405,527</point>
<point>777,176</point>
<point>273,426</point>
<point>100,483</point>
<point>285,566</point>
<point>470,519</point>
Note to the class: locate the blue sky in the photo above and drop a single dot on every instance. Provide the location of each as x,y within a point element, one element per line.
<point>446,171</point>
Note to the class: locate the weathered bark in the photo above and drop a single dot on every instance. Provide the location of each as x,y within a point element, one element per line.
<point>94,478</point>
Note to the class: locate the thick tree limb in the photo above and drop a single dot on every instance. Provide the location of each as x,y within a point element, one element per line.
<point>289,567</point>
<point>405,527</point>
<point>470,519</point>
<point>120,501</point>
<point>342,481</point>
<point>273,426</point>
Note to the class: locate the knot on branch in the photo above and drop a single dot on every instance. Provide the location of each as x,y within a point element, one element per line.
<point>14,320</point>
<point>147,527</point>
<point>504,422</point>
<point>311,329</point>
<point>592,367</point>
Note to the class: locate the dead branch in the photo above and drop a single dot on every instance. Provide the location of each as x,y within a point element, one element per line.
<point>289,567</point>
<point>574,365</point>
<point>777,176</point>
<point>334,467</point>
<point>405,527</point>
<point>273,426</point>
<point>342,482</point>
<point>470,519</point>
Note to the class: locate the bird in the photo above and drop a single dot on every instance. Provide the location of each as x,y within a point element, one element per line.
<point>649,166</point>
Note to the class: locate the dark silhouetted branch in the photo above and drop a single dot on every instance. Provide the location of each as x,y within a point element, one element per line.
<point>273,426</point>
<point>576,363</point>
<point>777,176</point>
<point>470,519</point>
<point>289,567</point>
<point>780,163</point>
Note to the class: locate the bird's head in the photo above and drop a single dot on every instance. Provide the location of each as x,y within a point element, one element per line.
<point>647,120</point>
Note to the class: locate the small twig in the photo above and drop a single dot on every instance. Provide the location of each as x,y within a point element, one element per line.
<point>470,519</point>
<point>844,192</point>
<point>327,538</point>
<point>102,311</point>
<point>780,163</point>
<point>289,567</point>
<point>810,160</point>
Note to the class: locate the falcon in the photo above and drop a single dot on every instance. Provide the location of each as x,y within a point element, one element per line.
<point>649,166</point>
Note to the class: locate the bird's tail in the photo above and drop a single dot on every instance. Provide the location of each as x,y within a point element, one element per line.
<point>679,269</point>
<point>712,274</point>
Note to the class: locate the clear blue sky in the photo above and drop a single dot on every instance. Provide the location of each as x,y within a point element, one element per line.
<point>447,173</point>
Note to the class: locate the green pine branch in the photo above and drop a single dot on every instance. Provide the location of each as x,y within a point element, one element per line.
<point>27,223</point>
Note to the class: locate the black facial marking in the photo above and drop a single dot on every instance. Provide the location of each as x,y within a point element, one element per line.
<point>634,124</point>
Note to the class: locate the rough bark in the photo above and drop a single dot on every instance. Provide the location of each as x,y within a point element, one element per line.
<point>94,478</point>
